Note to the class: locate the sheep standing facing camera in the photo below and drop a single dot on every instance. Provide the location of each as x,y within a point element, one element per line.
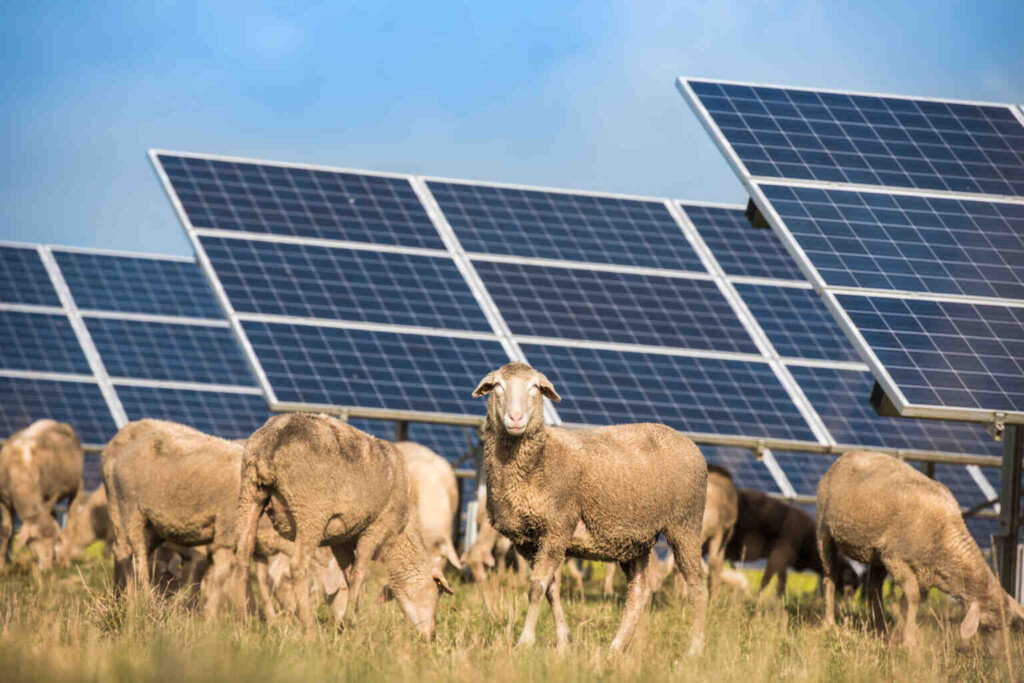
<point>600,494</point>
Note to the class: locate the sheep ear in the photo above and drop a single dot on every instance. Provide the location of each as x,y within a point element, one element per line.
<point>969,626</point>
<point>1016,610</point>
<point>546,388</point>
<point>486,384</point>
<point>442,583</point>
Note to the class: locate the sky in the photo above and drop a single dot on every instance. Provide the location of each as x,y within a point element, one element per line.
<point>543,93</point>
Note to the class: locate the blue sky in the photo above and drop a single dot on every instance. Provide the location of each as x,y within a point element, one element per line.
<point>544,93</point>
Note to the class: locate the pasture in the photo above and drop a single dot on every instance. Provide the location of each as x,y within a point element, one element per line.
<point>66,626</point>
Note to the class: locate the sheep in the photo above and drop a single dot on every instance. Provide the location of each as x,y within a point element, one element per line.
<point>881,511</point>
<point>600,494</point>
<point>491,548</point>
<point>88,522</point>
<point>767,527</point>
<point>324,482</point>
<point>720,512</point>
<point>39,466</point>
<point>435,491</point>
<point>170,483</point>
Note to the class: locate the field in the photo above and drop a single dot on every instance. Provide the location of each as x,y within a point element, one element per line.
<point>67,627</point>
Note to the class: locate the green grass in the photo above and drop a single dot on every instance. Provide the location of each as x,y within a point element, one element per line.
<point>67,627</point>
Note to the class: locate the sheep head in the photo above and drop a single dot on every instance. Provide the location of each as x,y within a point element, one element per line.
<point>991,618</point>
<point>515,397</point>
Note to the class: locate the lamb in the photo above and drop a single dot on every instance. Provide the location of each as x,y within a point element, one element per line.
<point>170,483</point>
<point>88,522</point>
<point>39,466</point>
<point>600,494</point>
<point>324,482</point>
<point>436,494</point>
<point>767,527</point>
<point>879,510</point>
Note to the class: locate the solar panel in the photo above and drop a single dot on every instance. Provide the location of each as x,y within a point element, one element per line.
<point>804,470</point>
<point>840,397</point>
<point>906,243</point>
<point>303,202</point>
<point>601,306</point>
<point>863,139</point>
<point>130,284</point>
<point>564,225</point>
<point>797,322</point>
<point>79,403</point>
<point>23,278</point>
<point>309,281</point>
<point>170,351</point>
<point>707,395</point>
<point>448,441</point>
<point>44,342</point>
<point>330,366</point>
<point>226,414</point>
<point>946,353</point>
<point>738,249</point>
<point>747,472</point>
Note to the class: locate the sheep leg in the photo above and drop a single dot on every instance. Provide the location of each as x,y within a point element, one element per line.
<point>638,597</point>
<point>608,588</point>
<point>135,531</point>
<point>561,625</point>
<point>6,532</point>
<point>716,556</point>
<point>686,544</point>
<point>216,580</point>
<point>904,576</point>
<point>263,590</point>
<point>366,548</point>
<point>830,570</point>
<point>345,560</point>
<point>306,539</point>
<point>546,562</point>
<point>576,575</point>
<point>873,594</point>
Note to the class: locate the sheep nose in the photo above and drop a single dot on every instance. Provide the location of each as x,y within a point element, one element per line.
<point>515,417</point>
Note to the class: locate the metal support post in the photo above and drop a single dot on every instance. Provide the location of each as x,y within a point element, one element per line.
<point>1009,508</point>
<point>402,430</point>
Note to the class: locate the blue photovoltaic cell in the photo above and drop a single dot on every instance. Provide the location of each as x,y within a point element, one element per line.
<point>129,284</point>
<point>797,322</point>
<point>835,137</point>
<point>23,278</point>
<point>227,415</point>
<point>166,351</point>
<point>80,404</point>
<point>347,367</point>
<point>40,341</point>
<point>344,284</point>
<point>708,395</point>
<point>560,225</point>
<point>804,470</point>
<point>944,353</point>
<point>746,471</point>
<point>448,441</point>
<point>918,244</point>
<point>841,399</point>
<point>265,198</point>
<point>574,303</point>
<point>739,248</point>
<point>983,529</point>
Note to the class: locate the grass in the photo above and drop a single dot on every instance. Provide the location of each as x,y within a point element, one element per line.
<point>67,627</point>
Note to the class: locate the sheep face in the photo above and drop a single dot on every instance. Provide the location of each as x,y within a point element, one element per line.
<point>990,622</point>
<point>515,400</point>
<point>418,599</point>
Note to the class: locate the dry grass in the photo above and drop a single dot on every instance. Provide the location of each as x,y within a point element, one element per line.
<point>66,627</point>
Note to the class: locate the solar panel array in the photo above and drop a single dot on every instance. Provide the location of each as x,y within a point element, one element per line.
<point>907,215</point>
<point>637,308</point>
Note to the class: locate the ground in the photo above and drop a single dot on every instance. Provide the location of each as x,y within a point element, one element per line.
<point>67,627</point>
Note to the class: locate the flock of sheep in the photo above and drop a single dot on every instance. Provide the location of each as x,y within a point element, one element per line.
<point>308,501</point>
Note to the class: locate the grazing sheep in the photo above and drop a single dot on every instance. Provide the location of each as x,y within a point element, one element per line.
<point>170,483</point>
<point>435,491</point>
<point>88,522</point>
<point>491,549</point>
<point>767,527</point>
<point>881,511</point>
<point>327,483</point>
<point>600,494</point>
<point>39,466</point>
